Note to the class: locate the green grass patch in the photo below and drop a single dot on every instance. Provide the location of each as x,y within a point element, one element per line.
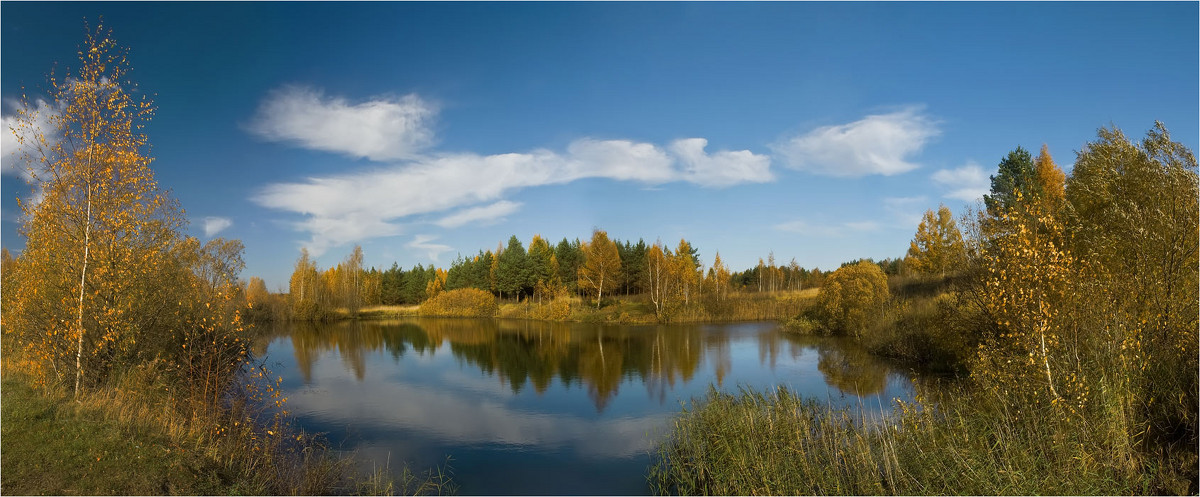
<point>115,442</point>
<point>52,445</point>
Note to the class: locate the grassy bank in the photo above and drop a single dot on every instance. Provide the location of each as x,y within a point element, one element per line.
<point>637,309</point>
<point>621,309</point>
<point>379,312</point>
<point>118,441</point>
<point>54,446</point>
<point>110,442</point>
<point>115,440</point>
<point>775,443</point>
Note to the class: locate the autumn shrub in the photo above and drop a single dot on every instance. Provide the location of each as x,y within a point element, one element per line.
<point>463,302</point>
<point>556,309</point>
<point>852,297</point>
<point>801,325</point>
<point>928,332</point>
<point>263,306</point>
<point>745,306</point>
<point>308,310</point>
<point>1133,207</point>
<point>1094,311</point>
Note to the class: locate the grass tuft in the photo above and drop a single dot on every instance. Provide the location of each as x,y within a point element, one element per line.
<point>777,443</point>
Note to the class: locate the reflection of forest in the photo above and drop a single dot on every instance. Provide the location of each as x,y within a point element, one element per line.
<point>596,357</point>
<point>846,365</point>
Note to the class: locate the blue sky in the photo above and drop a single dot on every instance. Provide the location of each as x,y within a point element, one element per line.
<point>820,131</point>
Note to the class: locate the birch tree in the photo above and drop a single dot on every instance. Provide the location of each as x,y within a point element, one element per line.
<point>601,265</point>
<point>100,224</point>
<point>657,275</point>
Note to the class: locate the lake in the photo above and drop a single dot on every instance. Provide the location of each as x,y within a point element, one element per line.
<point>525,407</point>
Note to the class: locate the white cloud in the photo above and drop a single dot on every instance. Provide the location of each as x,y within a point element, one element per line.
<point>488,214</point>
<point>16,153</point>
<point>328,232</point>
<point>827,230</point>
<point>862,226</point>
<point>724,168</point>
<point>422,242</point>
<point>214,225</point>
<point>14,150</point>
<point>877,144</point>
<point>617,159</point>
<point>968,183</point>
<point>353,207</point>
<point>469,418</point>
<point>906,210</point>
<point>386,128</point>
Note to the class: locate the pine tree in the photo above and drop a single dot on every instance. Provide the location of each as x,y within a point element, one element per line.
<point>1015,174</point>
<point>512,269</point>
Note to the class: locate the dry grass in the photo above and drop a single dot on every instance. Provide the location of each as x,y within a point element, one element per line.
<point>777,443</point>
<point>388,311</point>
<point>638,309</point>
<point>132,436</point>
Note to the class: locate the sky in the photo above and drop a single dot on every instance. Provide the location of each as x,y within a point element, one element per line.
<point>817,131</point>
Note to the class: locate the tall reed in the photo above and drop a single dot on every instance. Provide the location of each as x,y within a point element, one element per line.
<point>775,442</point>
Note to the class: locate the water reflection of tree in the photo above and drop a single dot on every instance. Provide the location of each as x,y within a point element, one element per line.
<point>595,357</point>
<point>852,369</point>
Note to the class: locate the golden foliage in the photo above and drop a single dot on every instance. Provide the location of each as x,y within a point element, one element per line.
<point>99,234</point>
<point>437,284</point>
<point>937,247</point>
<point>852,296</point>
<point>1050,180</point>
<point>1030,290</point>
<point>463,302</point>
<point>1095,297</point>
<point>601,265</point>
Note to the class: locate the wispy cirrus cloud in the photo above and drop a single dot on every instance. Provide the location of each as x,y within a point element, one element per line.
<point>433,250</point>
<point>357,206</point>
<point>351,207</point>
<point>837,230</point>
<point>488,214</point>
<point>214,225</point>
<point>906,211</point>
<point>381,129</point>
<point>877,144</point>
<point>968,183</point>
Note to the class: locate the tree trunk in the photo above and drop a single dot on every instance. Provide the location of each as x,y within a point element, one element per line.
<point>600,293</point>
<point>87,233</point>
<point>1046,362</point>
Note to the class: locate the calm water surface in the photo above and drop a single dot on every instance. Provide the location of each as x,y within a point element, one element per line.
<point>543,408</point>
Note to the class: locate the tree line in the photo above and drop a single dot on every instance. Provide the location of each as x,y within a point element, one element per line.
<point>596,268</point>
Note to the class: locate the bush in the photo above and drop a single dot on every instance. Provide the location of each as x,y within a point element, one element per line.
<point>463,302</point>
<point>558,309</point>
<point>801,325</point>
<point>852,297</point>
<point>935,333</point>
